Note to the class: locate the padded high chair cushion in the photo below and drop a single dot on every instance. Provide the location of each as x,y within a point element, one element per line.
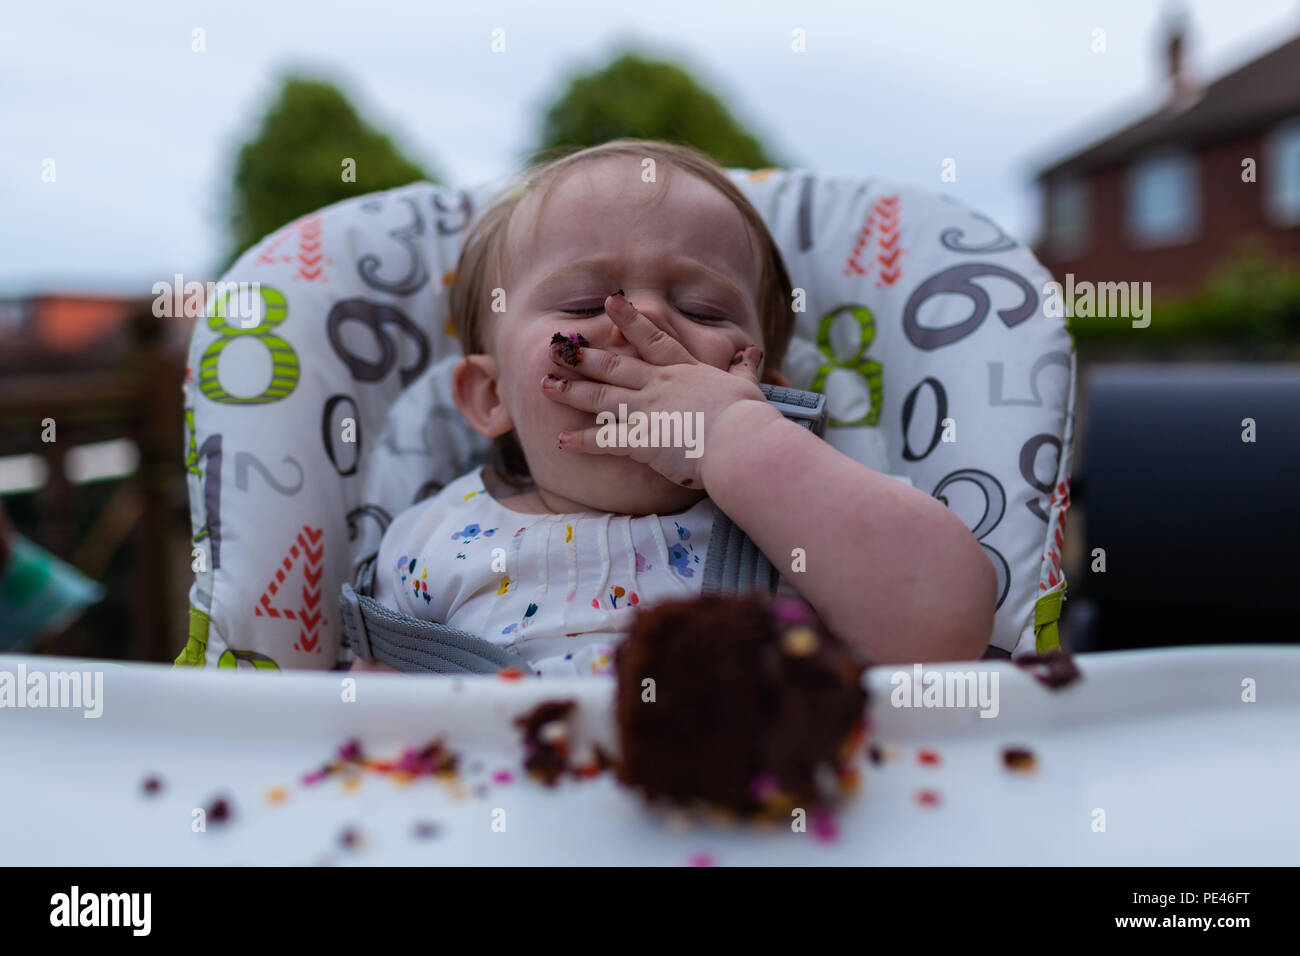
<point>318,402</point>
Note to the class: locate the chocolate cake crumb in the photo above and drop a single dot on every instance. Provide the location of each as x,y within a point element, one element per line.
<point>569,347</point>
<point>219,812</point>
<point>754,702</point>
<point>152,785</point>
<point>547,736</point>
<point>1055,669</point>
<point>1019,759</point>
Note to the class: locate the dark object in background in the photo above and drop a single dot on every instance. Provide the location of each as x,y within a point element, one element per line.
<point>755,708</point>
<point>1200,529</point>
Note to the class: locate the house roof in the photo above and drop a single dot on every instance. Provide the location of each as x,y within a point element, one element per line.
<point>66,330</point>
<point>1253,96</point>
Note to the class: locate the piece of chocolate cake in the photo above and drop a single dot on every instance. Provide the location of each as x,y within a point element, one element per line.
<point>570,346</point>
<point>738,703</point>
<point>550,748</point>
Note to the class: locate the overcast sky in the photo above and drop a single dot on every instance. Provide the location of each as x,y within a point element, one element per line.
<point>143,130</point>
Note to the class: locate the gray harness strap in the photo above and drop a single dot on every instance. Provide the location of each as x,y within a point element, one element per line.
<point>734,564</point>
<point>378,633</point>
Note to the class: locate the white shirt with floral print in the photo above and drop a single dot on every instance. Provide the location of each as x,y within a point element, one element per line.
<point>556,589</point>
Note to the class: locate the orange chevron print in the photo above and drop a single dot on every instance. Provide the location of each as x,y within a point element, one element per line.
<point>308,615</point>
<point>311,261</point>
<point>1054,575</point>
<point>310,258</point>
<point>882,223</point>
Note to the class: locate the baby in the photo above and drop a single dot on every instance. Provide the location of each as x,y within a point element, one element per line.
<point>550,548</point>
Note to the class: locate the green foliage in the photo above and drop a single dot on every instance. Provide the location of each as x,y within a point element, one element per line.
<point>1250,301</point>
<point>295,163</point>
<point>649,99</point>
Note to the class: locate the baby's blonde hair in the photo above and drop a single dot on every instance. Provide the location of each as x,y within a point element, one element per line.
<point>482,264</point>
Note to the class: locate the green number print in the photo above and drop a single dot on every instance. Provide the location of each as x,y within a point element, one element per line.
<point>869,369</point>
<point>284,361</point>
<point>230,660</point>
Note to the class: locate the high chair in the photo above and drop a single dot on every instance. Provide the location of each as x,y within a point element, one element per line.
<point>312,423</point>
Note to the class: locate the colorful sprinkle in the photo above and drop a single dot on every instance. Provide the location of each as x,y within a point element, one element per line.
<point>702,859</point>
<point>927,798</point>
<point>350,750</point>
<point>277,795</point>
<point>790,610</point>
<point>927,758</point>
<point>824,827</point>
<point>425,829</point>
<point>152,785</point>
<point>502,776</point>
<point>800,642</point>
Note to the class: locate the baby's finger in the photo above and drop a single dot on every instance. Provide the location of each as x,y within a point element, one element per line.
<point>587,441</point>
<point>654,344</point>
<point>584,395</point>
<point>747,362</point>
<point>626,370</point>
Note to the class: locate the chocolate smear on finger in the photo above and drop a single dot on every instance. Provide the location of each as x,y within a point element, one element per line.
<point>569,347</point>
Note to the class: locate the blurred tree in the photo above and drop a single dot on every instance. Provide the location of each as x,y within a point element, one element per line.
<point>295,164</point>
<point>650,99</point>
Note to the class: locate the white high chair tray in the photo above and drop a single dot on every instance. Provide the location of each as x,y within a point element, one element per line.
<point>1185,772</point>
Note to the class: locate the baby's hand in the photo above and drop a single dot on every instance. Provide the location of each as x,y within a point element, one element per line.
<point>665,378</point>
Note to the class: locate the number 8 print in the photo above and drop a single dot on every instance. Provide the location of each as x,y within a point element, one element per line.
<point>869,369</point>
<point>284,361</point>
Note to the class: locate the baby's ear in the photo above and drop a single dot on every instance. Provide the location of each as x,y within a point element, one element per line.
<point>474,388</point>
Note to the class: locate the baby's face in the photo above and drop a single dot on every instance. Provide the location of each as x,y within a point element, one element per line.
<point>684,263</point>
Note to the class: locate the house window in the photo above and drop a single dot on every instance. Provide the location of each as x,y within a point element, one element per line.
<point>1282,175</point>
<point>1069,216</point>
<point>1163,202</point>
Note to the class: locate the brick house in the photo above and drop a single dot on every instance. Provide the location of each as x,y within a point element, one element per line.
<point>1163,200</point>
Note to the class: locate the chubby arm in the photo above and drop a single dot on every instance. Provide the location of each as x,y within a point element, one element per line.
<point>889,568</point>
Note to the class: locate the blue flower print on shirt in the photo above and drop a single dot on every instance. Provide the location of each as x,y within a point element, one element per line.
<point>679,559</point>
<point>682,556</point>
<point>528,614</point>
<point>471,532</point>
